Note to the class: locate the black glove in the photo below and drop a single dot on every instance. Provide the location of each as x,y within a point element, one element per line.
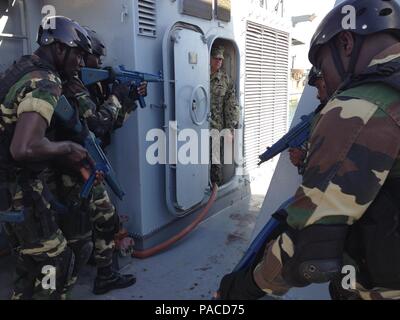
<point>126,96</point>
<point>121,91</point>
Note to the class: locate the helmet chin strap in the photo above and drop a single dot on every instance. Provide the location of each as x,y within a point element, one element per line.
<point>346,75</point>
<point>86,58</point>
<point>61,67</point>
<point>66,56</point>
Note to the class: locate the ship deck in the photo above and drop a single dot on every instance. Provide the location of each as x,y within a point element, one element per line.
<point>189,270</point>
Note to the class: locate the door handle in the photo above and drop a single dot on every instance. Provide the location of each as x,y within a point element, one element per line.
<point>195,105</point>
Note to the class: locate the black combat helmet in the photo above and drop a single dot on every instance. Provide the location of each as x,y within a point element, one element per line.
<point>372,16</point>
<point>64,30</point>
<point>98,46</point>
<point>314,75</point>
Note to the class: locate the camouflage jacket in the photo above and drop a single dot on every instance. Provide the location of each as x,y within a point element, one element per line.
<point>224,108</point>
<point>29,85</point>
<point>100,118</point>
<point>346,168</point>
<point>66,182</point>
<point>305,146</point>
<point>354,149</point>
<point>36,91</point>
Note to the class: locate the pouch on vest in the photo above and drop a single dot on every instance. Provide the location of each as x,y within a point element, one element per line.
<point>374,241</point>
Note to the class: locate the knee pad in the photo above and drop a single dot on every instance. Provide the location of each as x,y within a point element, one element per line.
<point>317,256</point>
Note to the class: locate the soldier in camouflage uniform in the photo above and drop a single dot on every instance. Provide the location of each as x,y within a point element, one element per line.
<point>112,108</point>
<point>102,114</point>
<point>29,92</point>
<point>315,79</point>
<point>224,112</point>
<point>347,209</point>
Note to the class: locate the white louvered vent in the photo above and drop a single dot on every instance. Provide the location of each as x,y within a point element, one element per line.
<point>147,19</point>
<point>266,89</point>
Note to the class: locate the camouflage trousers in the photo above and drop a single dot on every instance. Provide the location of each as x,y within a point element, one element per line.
<point>217,174</point>
<point>220,149</point>
<point>217,160</point>
<point>268,274</point>
<point>101,212</point>
<point>64,241</point>
<point>105,225</point>
<point>38,243</point>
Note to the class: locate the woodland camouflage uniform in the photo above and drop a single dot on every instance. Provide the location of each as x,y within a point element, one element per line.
<point>346,170</point>
<point>38,239</point>
<point>224,114</point>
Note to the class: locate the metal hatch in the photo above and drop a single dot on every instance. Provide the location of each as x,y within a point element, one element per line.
<point>188,104</point>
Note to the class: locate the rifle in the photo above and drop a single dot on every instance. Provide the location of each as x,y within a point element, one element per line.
<point>295,138</point>
<point>275,226</point>
<point>19,216</point>
<point>66,113</point>
<point>12,216</point>
<point>257,244</point>
<point>91,75</point>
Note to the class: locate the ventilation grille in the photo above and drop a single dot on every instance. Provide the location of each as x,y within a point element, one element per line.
<point>147,19</point>
<point>266,89</point>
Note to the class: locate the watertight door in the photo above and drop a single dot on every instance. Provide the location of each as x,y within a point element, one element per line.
<point>192,87</point>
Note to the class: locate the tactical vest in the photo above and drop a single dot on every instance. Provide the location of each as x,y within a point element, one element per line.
<point>8,79</point>
<point>19,69</point>
<point>374,240</point>
<point>98,94</point>
<point>13,74</point>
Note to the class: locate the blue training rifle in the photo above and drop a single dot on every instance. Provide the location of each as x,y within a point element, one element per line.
<point>295,138</point>
<point>120,74</point>
<point>65,112</point>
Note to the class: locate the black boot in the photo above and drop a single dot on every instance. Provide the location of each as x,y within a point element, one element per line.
<point>108,279</point>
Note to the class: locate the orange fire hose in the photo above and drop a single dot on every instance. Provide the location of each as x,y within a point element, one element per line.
<point>162,246</point>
